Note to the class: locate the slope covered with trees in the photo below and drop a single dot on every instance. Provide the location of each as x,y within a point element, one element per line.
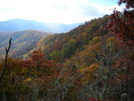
<point>63,46</point>
<point>89,63</point>
<point>23,41</point>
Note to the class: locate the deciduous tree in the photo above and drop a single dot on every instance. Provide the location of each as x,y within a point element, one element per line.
<point>122,23</point>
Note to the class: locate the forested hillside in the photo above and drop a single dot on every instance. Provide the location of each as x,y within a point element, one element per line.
<point>22,41</point>
<point>59,47</point>
<point>93,62</point>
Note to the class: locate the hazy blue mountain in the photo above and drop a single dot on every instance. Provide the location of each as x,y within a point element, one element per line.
<point>21,24</point>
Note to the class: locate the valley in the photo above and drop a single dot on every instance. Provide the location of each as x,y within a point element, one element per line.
<point>92,61</point>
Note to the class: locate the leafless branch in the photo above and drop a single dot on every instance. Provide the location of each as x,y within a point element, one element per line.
<point>6,56</point>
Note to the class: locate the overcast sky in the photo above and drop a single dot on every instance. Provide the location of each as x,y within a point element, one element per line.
<point>56,11</point>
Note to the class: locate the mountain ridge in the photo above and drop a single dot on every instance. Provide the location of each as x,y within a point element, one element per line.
<point>22,41</point>
<point>22,24</point>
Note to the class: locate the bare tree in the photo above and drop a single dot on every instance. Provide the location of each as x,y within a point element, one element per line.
<point>6,56</point>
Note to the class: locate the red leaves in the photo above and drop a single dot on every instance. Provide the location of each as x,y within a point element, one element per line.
<point>92,99</point>
<point>58,46</point>
<point>81,100</point>
<point>129,3</point>
<point>122,24</point>
<point>38,63</point>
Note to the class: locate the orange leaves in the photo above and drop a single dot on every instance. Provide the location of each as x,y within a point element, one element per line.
<point>37,60</point>
<point>40,70</point>
<point>37,55</point>
<point>39,67</point>
<point>15,76</point>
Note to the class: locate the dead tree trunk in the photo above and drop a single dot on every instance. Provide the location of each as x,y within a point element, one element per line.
<point>6,56</point>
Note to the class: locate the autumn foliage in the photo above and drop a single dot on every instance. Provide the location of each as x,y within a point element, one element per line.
<point>122,24</point>
<point>86,64</point>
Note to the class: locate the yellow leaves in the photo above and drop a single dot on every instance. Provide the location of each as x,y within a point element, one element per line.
<point>82,68</point>
<point>89,77</point>
<point>27,80</point>
<point>84,65</point>
<point>94,40</point>
<point>94,66</point>
<point>91,50</point>
<point>24,70</point>
<point>110,41</point>
<point>72,41</point>
<point>88,71</point>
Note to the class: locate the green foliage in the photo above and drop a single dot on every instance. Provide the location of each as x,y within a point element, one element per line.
<point>89,30</point>
<point>55,55</point>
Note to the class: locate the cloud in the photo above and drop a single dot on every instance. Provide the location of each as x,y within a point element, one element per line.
<point>61,7</point>
<point>62,11</point>
<point>107,9</point>
<point>6,10</point>
<point>90,11</point>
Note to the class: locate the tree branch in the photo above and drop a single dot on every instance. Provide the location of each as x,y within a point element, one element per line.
<point>6,56</point>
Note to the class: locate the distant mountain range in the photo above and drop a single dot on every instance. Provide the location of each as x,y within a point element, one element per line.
<point>21,24</point>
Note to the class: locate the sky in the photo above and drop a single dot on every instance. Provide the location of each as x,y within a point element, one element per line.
<point>56,11</point>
